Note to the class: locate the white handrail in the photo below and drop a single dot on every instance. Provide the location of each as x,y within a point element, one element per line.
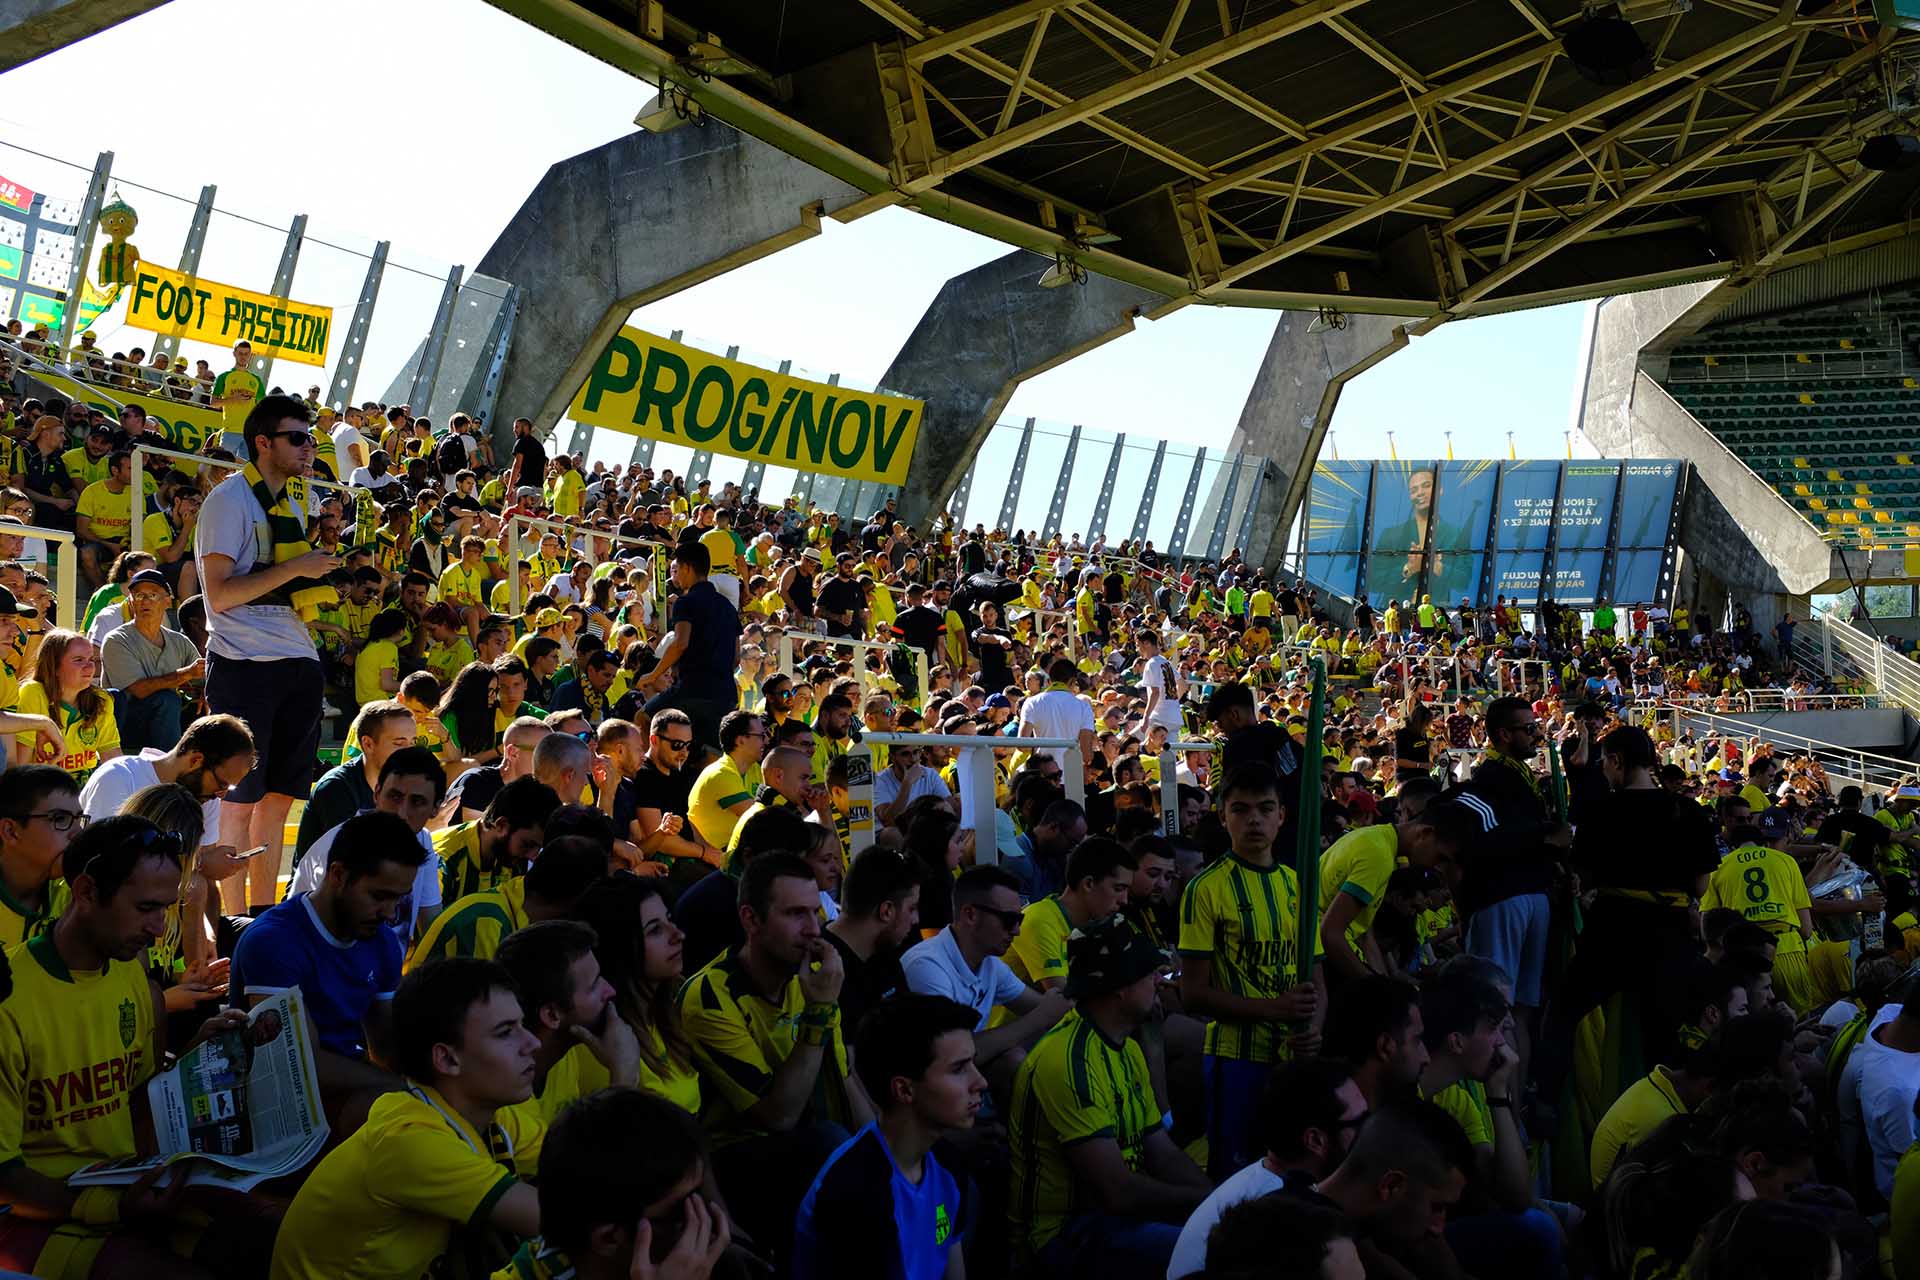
<point>1846,650</point>
<point>136,536</point>
<point>1867,768</point>
<point>790,639</point>
<point>66,570</point>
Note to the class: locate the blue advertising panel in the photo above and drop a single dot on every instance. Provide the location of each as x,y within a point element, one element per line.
<point>1462,508</point>
<point>1403,493</point>
<point>1648,492</point>
<point>1526,520</point>
<point>1585,520</point>
<point>1336,516</point>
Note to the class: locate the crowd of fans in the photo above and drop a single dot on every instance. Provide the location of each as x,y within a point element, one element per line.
<point>631,949</point>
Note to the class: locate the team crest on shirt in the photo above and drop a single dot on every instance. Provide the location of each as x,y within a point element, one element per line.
<point>127,1024</point>
<point>942,1225</point>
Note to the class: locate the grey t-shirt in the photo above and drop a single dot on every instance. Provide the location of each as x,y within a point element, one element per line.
<point>233,524</point>
<point>129,656</point>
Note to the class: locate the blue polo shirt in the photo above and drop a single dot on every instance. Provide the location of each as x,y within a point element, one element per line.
<point>339,978</point>
<point>862,1219</point>
<point>705,670</point>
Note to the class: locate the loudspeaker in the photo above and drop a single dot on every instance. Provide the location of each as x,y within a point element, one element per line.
<point>1607,50</point>
<point>1887,152</point>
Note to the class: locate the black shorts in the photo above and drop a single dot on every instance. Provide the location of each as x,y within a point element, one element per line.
<point>280,701</point>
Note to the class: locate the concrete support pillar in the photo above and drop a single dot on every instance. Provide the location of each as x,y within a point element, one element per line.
<point>1287,413</point>
<point>631,222</point>
<point>987,331</point>
<point>31,29</point>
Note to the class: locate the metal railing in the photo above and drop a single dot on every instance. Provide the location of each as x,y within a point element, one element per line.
<point>510,552</point>
<point>1841,651</point>
<point>974,766</point>
<point>1736,368</point>
<point>1868,769</point>
<point>136,536</point>
<point>790,640</point>
<point>66,569</point>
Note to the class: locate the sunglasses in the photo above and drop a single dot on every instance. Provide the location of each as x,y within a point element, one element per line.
<point>150,840</point>
<point>1008,919</point>
<point>298,439</point>
<point>678,744</point>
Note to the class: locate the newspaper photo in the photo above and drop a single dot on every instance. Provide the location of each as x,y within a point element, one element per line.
<point>243,1106</point>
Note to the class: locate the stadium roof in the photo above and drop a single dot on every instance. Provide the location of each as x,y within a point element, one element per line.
<point>1416,157</point>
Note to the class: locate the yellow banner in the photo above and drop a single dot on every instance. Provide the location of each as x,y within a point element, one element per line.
<point>184,426</point>
<point>648,386</point>
<point>206,311</point>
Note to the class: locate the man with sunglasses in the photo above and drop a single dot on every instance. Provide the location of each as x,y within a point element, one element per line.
<point>658,797</point>
<point>1507,872</point>
<point>261,662</point>
<point>724,790</point>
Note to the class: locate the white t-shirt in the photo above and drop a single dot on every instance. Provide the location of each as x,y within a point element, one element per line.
<point>345,436</point>
<point>1889,1079</point>
<point>921,782</point>
<point>362,478</point>
<point>1055,713</point>
<point>936,968</point>
<point>312,868</point>
<point>1190,1251</point>
<point>116,781</point>
<point>1159,674</point>
<point>232,524</point>
<point>1851,1129</point>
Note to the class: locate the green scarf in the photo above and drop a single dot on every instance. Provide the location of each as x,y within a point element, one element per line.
<point>1519,766</point>
<point>288,533</point>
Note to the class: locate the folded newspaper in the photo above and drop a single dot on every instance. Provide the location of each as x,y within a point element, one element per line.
<point>243,1107</point>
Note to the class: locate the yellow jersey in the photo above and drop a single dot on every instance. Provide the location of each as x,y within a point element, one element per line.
<point>88,739</point>
<point>384,1202</point>
<point>74,1047</point>
<point>111,513</point>
<point>1039,951</point>
<point>475,925</point>
<point>374,657</point>
<point>740,1038</point>
<point>1246,918</point>
<point>460,585</point>
<point>1359,864</point>
<point>719,786</point>
<point>20,923</point>
<point>1636,1113</point>
<point>1767,887</point>
<point>463,869</point>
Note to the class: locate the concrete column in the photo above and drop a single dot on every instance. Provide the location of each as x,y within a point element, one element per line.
<point>628,223</point>
<point>32,29</point>
<point>986,332</point>
<point>1287,412</point>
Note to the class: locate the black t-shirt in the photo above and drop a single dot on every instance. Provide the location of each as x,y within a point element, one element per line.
<point>651,789</point>
<point>871,534</point>
<point>1288,602</point>
<point>921,627</point>
<point>1116,588</point>
<point>867,983</point>
<point>1868,834</point>
<point>840,595</point>
<point>477,787</point>
<point>705,670</point>
<point>973,557</point>
<point>996,673</point>
<point>1646,840</point>
<point>1412,746</point>
<point>709,914</point>
<point>533,460</point>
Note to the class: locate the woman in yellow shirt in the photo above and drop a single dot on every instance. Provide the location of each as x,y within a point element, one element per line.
<point>568,488</point>
<point>62,688</point>
<point>642,962</point>
<point>376,668</point>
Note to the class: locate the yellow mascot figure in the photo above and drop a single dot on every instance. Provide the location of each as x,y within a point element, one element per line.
<point>118,259</point>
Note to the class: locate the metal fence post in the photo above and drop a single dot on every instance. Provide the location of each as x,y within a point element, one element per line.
<point>1058,506</point>
<point>82,251</point>
<point>283,286</point>
<point>1145,513</point>
<point>757,469</point>
<point>1177,544</point>
<point>168,344</point>
<point>1010,504</point>
<point>1104,503</point>
<point>420,395</point>
<point>346,373</point>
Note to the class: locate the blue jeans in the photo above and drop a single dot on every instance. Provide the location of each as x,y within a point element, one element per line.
<point>1234,1088</point>
<point>152,721</point>
<point>1513,934</point>
<point>1097,1246</point>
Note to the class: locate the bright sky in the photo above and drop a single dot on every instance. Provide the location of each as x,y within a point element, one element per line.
<point>434,151</point>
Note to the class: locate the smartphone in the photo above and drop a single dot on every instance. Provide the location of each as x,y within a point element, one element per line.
<point>254,852</point>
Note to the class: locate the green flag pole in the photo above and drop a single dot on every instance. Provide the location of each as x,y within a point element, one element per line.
<point>1306,852</point>
<point>1559,781</point>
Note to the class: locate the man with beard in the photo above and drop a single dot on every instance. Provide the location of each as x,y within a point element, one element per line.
<point>830,729</point>
<point>584,1044</point>
<point>334,945</point>
<point>764,1022</point>
<point>1309,1119</point>
<point>1040,860</point>
<point>214,754</point>
<point>1373,1025</point>
<point>841,604</point>
<point>1148,907</point>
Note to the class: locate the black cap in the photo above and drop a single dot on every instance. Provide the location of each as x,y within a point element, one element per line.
<point>1108,955</point>
<point>11,608</point>
<point>151,578</point>
<point>100,429</point>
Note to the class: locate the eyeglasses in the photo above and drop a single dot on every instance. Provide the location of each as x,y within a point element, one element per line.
<point>58,819</point>
<point>678,744</point>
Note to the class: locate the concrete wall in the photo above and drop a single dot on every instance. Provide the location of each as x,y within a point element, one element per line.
<point>985,332</point>
<point>1886,730</point>
<point>32,29</point>
<point>1737,536</point>
<point>626,224</point>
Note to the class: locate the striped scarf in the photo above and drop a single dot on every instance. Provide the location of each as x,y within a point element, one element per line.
<point>288,534</point>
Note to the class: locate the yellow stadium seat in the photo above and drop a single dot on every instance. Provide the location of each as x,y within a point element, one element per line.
<point>1863,504</point>
<point>1913,531</point>
<point>1713,362</point>
<point>1836,477</point>
<point>1904,459</point>
<point>1846,344</point>
<point>1850,517</point>
<point>1833,517</point>
<point>1862,487</point>
<point>1910,383</point>
<point>1803,359</point>
<point>1801,462</point>
<point>1818,504</point>
<point>1883,517</point>
<point>1806,398</point>
<point>1802,491</point>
